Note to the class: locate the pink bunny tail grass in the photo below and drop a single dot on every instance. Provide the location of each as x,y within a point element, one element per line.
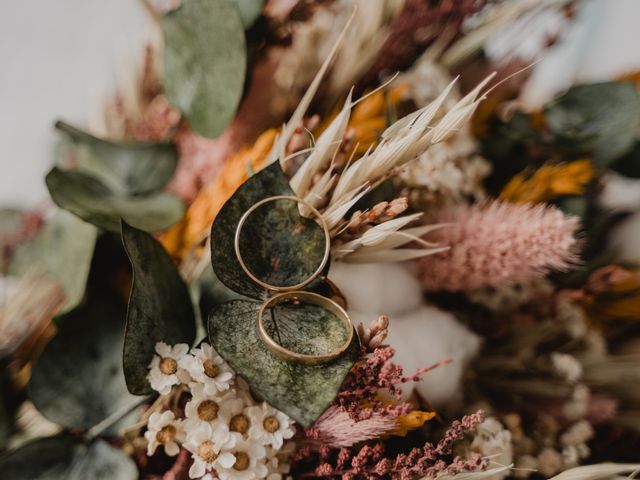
<point>337,428</point>
<point>497,243</point>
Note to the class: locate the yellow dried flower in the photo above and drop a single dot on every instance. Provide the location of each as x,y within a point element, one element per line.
<point>411,421</point>
<point>199,216</point>
<point>548,182</point>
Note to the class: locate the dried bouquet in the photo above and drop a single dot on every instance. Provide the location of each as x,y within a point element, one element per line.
<point>326,240</point>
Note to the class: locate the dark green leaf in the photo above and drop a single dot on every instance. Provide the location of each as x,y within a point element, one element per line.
<point>277,244</point>
<point>91,200</point>
<point>574,206</point>
<point>6,424</point>
<point>65,458</point>
<point>78,381</point>
<point>63,248</point>
<point>602,119</point>
<point>301,391</point>
<point>205,62</point>
<point>249,11</point>
<point>160,307</point>
<point>629,165</point>
<point>125,167</point>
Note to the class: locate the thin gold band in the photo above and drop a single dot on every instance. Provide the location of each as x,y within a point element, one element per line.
<point>314,299</point>
<point>314,275</point>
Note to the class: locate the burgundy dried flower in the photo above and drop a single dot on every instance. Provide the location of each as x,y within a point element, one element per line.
<point>498,243</point>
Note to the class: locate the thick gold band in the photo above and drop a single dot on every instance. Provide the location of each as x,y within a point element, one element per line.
<point>314,275</point>
<point>314,299</point>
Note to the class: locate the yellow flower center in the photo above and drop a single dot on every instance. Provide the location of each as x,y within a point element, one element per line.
<point>168,366</point>
<point>206,451</point>
<point>211,370</point>
<point>239,423</point>
<point>242,461</point>
<point>166,434</point>
<point>271,424</point>
<point>208,410</point>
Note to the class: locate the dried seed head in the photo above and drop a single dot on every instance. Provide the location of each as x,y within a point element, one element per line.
<point>208,410</point>
<point>211,370</point>
<point>168,366</point>
<point>242,461</point>
<point>239,423</point>
<point>207,452</point>
<point>271,424</point>
<point>167,434</point>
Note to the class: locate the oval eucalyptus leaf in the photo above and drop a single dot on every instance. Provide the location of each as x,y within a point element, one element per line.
<point>125,167</point>
<point>94,202</point>
<point>78,381</point>
<point>629,165</point>
<point>301,391</point>
<point>277,244</point>
<point>601,119</point>
<point>249,11</point>
<point>66,458</point>
<point>160,307</point>
<point>205,62</point>
<point>63,248</point>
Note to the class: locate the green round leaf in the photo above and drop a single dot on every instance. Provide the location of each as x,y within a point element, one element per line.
<point>301,391</point>
<point>602,119</point>
<point>78,381</point>
<point>125,167</point>
<point>205,62</point>
<point>66,458</point>
<point>63,248</point>
<point>249,11</point>
<point>160,307</point>
<point>277,244</point>
<point>92,201</point>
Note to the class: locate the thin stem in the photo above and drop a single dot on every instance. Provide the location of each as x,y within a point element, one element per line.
<point>100,427</point>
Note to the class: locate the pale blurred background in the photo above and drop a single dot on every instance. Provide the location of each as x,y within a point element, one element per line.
<point>61,59</point>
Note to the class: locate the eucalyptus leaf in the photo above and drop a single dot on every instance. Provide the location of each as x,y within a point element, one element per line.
<point>160,307</point>
<point>126,167</point>
<point>301,391</point>
<point>278,245</point>
<point>63,248</point>
<point>66,458</point>
<point>94,202</point>
<point>205,62</point>
<point>78,381</point>
<point>249,10</point>
<point>602,119</point>
<point>5,424</point>
<point>629,165</point>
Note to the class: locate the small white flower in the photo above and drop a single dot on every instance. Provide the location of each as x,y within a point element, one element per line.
<point>203,408</point>
<point>247,462</point>
<point>163,429</point>
<point>269,426</point>
<point>276,461</point>
<point>233,412</point>
<point>208,368</point>
<point>204,450</point>
<point>165,371</point>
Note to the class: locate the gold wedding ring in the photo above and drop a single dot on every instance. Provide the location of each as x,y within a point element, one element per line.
<point>314,275</point>
<point>309,298</point>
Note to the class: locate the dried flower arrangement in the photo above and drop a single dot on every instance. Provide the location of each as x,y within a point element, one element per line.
<point>296,245</point>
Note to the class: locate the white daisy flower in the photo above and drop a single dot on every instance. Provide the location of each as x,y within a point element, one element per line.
<point>276,461</point>
<point>269,426</point>
<point>203,408</point>
<point>233,412</point>
<point>163,429</point>
<point>204,450</point>
<point>207,367</point>
<point>248,462</point>
<point>165,371</point>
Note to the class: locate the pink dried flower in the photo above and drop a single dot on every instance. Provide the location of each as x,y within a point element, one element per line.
<point>498,243</point>
<point>371,462</point>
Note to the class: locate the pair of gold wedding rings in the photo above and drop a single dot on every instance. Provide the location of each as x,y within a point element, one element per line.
<point>294,293</point>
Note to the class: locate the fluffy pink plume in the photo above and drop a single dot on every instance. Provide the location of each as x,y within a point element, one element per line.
<point>498,243</point>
